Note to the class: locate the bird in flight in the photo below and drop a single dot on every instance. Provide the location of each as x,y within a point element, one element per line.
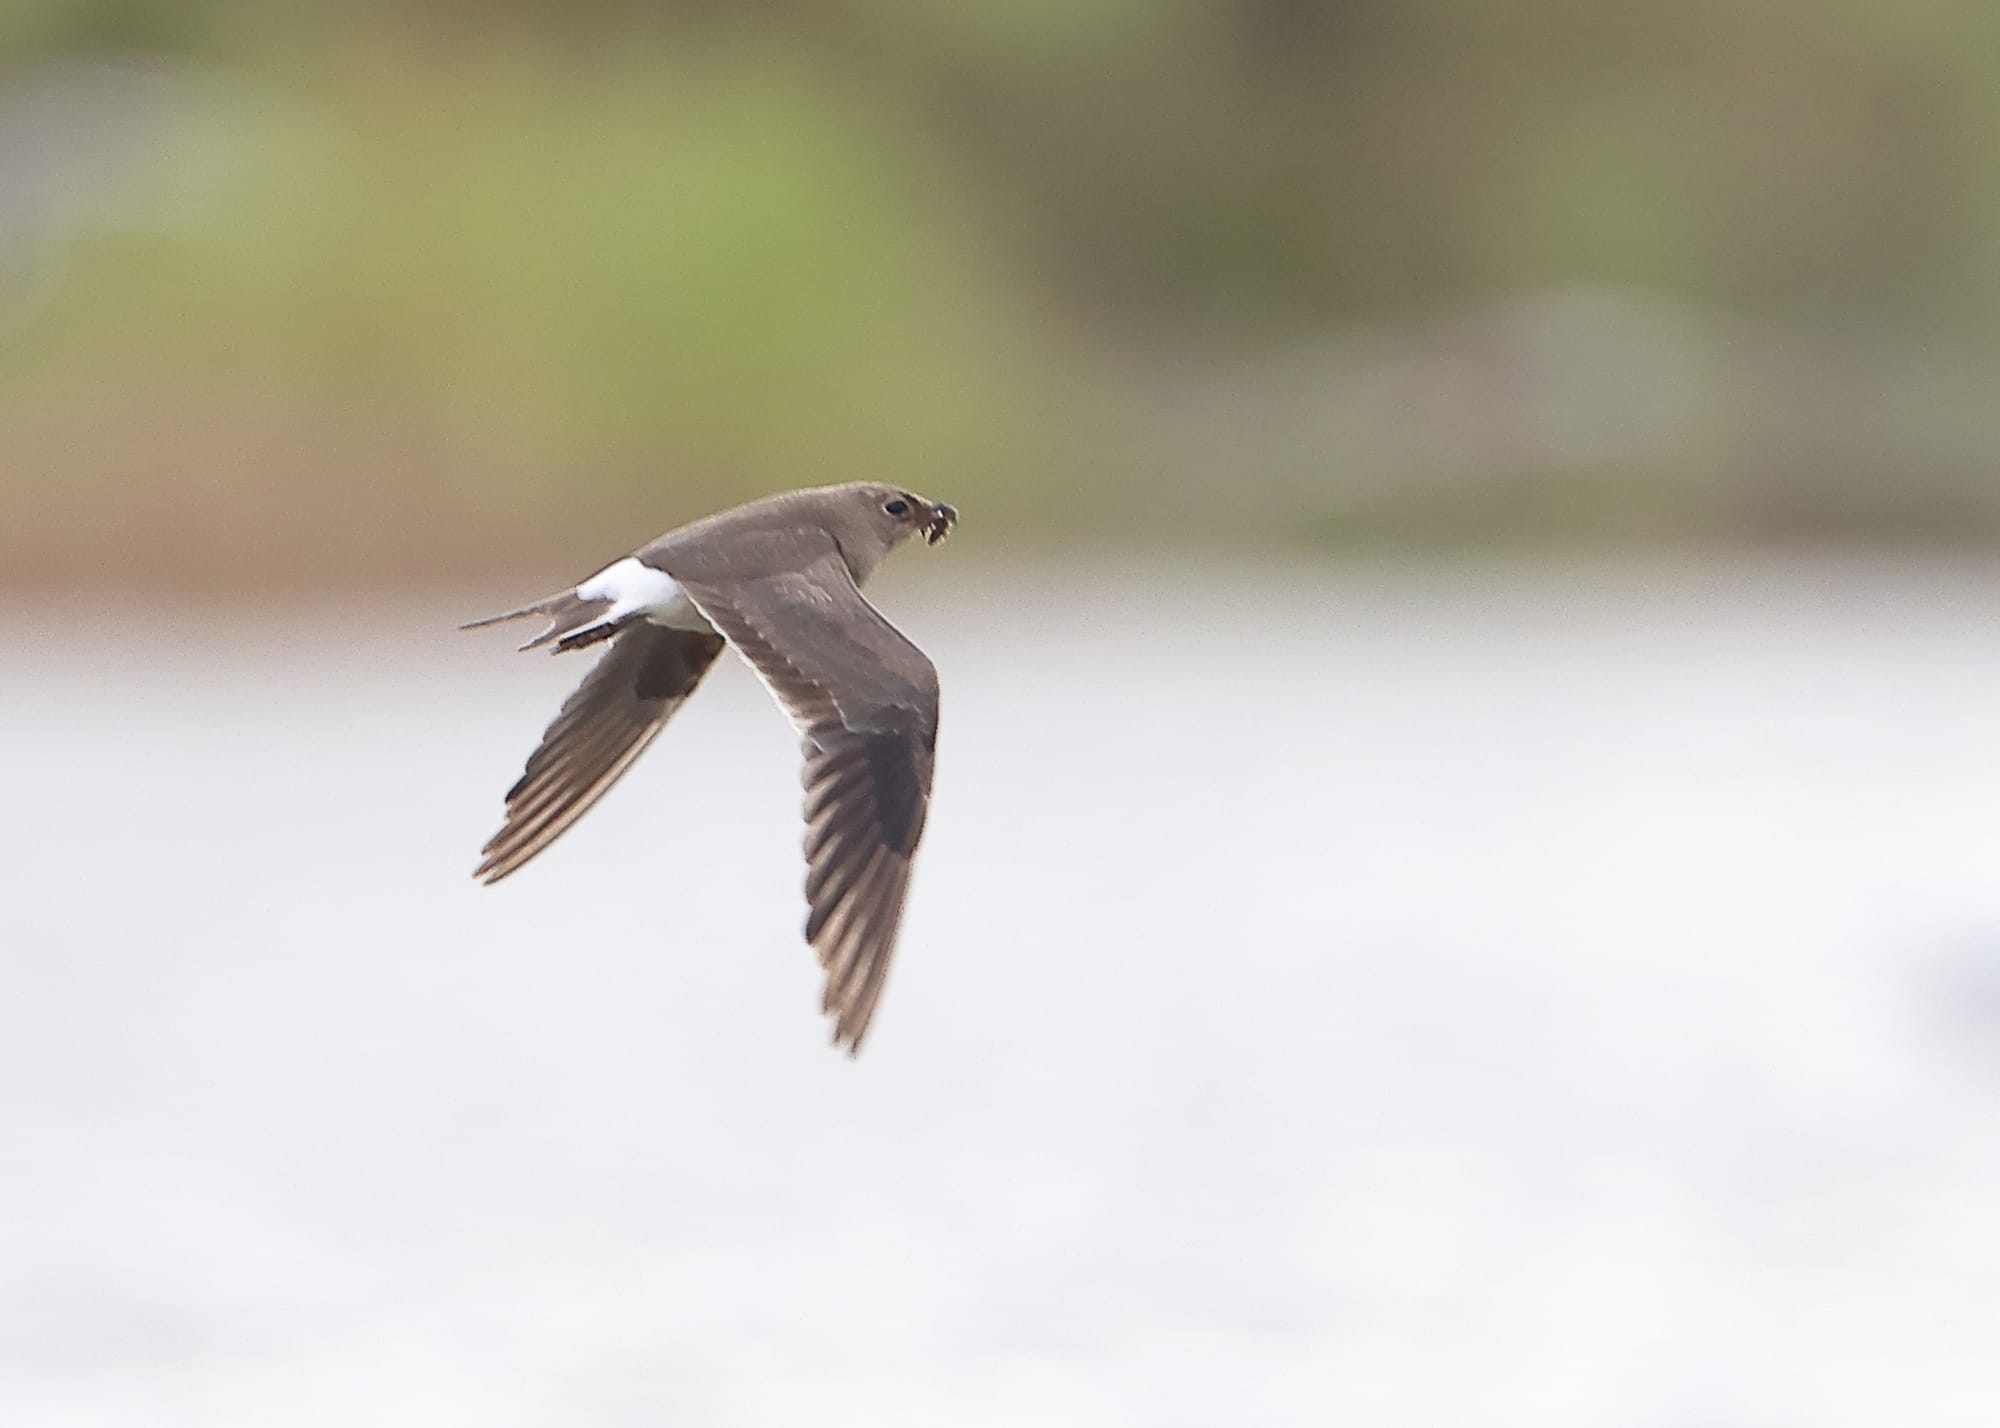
<point>780,579</point>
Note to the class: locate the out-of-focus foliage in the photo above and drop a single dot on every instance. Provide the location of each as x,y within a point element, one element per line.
<point>294,291</point>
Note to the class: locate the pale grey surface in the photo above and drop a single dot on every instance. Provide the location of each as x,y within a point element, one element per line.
<point>1398,997</point>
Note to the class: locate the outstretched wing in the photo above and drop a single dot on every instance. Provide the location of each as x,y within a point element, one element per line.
<point>865,701</point>
<point>622,703</point>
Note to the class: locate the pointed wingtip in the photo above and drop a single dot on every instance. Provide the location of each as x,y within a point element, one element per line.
<point>493,866</point>
<point>849,1031</point>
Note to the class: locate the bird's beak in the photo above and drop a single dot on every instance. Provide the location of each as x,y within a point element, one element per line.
<point>942,519</point>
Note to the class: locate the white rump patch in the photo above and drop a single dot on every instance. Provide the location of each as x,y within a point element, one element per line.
<point>636,588</point>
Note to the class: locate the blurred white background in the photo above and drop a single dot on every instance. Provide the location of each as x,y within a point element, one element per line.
<point>1552,994</point>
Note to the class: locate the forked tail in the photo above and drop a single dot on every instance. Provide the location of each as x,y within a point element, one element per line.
<point>574,622</point>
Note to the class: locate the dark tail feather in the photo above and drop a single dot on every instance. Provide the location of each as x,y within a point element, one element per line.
<point>573,621</point>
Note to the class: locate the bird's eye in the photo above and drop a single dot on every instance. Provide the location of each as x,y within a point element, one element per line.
<point>897,507</point>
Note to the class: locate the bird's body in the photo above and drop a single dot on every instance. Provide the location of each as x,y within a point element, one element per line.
<point>780,580</point>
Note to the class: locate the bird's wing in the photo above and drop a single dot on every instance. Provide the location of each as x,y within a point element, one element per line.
<point>622,703</point>
<point>865,700</point>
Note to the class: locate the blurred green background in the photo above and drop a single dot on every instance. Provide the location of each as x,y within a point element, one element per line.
<point>319,295</point>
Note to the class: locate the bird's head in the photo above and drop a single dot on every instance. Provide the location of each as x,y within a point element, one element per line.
<point>870,520</point>
<point>905,513</point>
